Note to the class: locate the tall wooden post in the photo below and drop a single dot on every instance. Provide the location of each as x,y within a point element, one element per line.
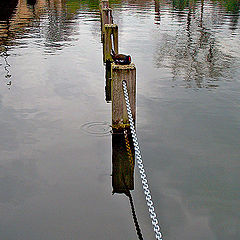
<point>111,30</point>
<point>119,109</point>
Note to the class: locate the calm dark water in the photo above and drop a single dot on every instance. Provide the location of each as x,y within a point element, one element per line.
<point>56,145</point>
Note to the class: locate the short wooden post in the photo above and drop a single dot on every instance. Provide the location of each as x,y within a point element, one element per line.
<point>122,162</point>
<point>119,110</point>
<point>111,30</point>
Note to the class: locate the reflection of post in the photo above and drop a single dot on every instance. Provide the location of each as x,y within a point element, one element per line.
<point>108,82</point>
<point>119,109</point>
<point>110,31</point>
<point>201,17</point>
<point>157,12</point>
<point>122,162</point>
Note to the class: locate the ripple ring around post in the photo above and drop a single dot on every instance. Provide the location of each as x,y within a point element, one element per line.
<point>99,129</point>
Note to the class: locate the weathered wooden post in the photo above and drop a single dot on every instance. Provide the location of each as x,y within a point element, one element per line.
<point>122,162</point>
<point>119,109</point>
<point>106,18</point>
<point>111,30</point>
<point>103,4</point>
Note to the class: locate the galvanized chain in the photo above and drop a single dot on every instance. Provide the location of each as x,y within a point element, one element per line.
<point>145,186</point>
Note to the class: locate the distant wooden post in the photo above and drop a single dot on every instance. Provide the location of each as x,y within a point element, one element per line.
<point>106,18</point>
<point>111,30</point>
<point>103,4</point>
<point>122,162</point>
<point>119,110</point>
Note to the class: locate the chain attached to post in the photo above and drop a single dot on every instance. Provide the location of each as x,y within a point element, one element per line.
<point>145,186</point>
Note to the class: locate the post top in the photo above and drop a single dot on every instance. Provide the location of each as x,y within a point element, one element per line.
<point>106,9</point>
<point>127,67</point>
<point>110,25</point>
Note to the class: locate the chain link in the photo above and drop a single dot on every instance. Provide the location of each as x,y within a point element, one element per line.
<point>145,186</point>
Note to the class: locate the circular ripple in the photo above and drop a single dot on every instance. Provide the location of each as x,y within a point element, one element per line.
<point>99,129</point>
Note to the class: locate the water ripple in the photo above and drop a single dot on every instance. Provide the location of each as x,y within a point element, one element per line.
<point>99,129</point>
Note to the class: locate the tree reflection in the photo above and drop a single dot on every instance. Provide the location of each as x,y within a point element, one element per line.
<point>193,54</point>
<point>18,17</point>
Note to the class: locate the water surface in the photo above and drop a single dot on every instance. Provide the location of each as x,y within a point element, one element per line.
<point>55,161</point>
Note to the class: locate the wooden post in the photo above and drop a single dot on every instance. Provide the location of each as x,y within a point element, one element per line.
<point>111,30</point>
<point>103,4</point>
<point>119,110</point>
<point>122,162</point>
<point>106,18</point>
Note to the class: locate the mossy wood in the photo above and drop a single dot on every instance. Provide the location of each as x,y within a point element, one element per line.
<point>110,31</point>
<point>119,109</point>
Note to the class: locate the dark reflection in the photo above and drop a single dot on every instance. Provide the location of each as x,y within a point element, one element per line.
<point>122,161</point>
<point>231,5</point>
<point>123,169</point>
<point>108,87</point>
<point>7,66</point>
<point>180,4</point>
<point>138,230</point>
<point>31,2</point>
<point>157,12</point>
<point>234,21</point>
<point>7,8</point>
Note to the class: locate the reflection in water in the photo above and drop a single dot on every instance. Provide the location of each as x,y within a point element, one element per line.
<point>200,188</point>
<point>6,66</point>
<point>157,12</point>
<point>138,230</point>
<point>122,162</point>
<point>123,169</point>
<point>108,84</point>
<point>24,17</point>
<point>193,54</point>
<point>98,129</point>
<point>31,2</point>
<point>7,8</point>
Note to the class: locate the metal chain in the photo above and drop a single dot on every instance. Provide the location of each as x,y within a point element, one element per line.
<point>145,186</point>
